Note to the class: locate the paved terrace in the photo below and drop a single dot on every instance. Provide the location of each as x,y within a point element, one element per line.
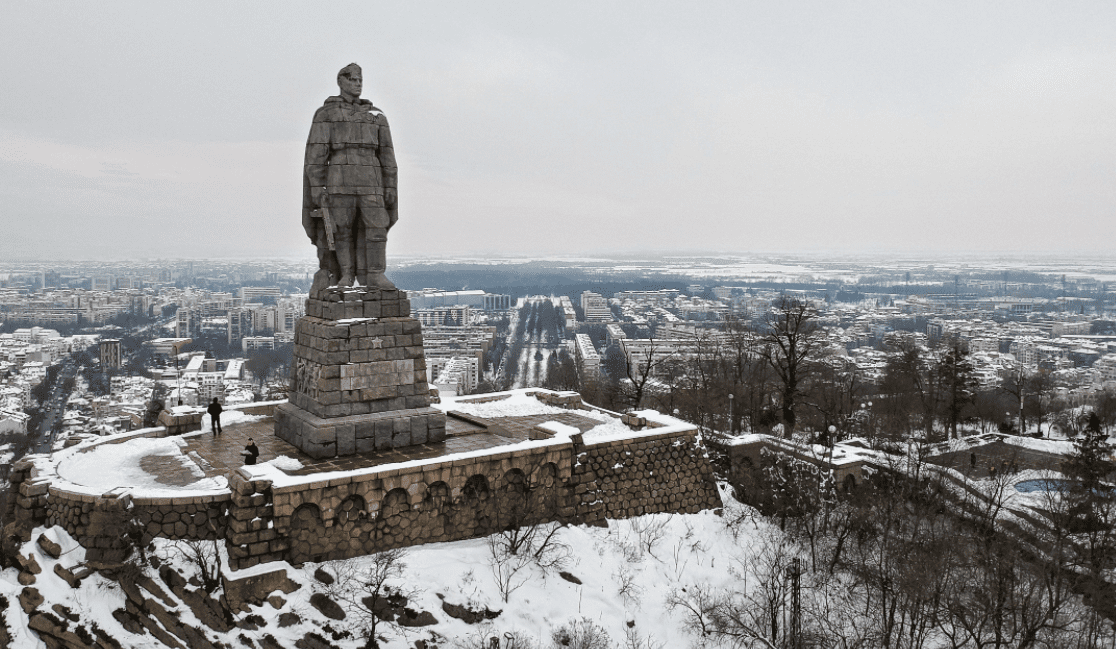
<point>216,455</point>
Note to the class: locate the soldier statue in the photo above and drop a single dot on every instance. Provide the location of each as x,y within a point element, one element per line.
<point>349,188</point>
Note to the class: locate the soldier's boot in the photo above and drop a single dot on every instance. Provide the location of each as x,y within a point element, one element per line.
<point>377,264</point>
<point>345,261</point>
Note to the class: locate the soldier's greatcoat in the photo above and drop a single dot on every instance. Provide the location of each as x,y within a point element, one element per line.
<point>348,153</point>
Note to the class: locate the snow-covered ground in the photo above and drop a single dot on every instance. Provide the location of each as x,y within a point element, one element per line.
<point>628,572</point>
<point>108,466</point>
<point>519,404</point>
<point>96,466</point>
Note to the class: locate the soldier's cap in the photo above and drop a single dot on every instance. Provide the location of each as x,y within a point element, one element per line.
<point>349,70</point>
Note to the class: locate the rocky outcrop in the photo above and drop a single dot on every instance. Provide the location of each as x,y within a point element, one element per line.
<point>30,599</point>
<point>327,606</point>
<point>244,592</point>
<point>467,614</point>
<point>52,549</point>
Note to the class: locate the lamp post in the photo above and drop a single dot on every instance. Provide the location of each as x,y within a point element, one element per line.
<point>732,420</point>
<point>178,372</point>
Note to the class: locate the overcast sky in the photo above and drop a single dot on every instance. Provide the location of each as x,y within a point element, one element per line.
<point>141,129</point>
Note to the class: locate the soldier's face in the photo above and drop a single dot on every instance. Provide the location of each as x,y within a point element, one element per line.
<point>351,84</point>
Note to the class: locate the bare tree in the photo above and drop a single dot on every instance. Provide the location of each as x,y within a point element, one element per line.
<point>1040,385</point>
<point>957,379</point>
<point>790,343</point>
<point>509,569</point>
<point>834,396</point>
<point>640,368</point>
<point>362,586</point>
<point>581,634</point>
<point>204,557</point>
<point>1014,384</point>
<point>753,615</point>
<point>912,379</point>
<point>1105,407</point>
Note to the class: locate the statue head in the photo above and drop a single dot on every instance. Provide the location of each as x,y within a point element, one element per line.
<point>350,81</point>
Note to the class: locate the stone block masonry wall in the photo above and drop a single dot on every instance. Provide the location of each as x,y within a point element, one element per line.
<point>320,437</point>
<point>358,381</point>
<point>746,460</point>
<point>196,518</point>
<point>252,536</point>
<point>357,368</point>
<point>649,474</point>
<point>437,501</point>
<point>363,512</point>
<point>349,303</point>
<point>100,522</point>
<point>27,499</point>
<point>182,423</point>
<point>468,497</point>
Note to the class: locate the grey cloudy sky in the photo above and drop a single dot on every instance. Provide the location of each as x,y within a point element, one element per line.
<point>142,129</point>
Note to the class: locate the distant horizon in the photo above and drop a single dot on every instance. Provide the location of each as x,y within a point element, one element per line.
<point>605,254</point>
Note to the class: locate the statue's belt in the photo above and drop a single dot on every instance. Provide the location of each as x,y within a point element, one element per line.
<point>337,146</point>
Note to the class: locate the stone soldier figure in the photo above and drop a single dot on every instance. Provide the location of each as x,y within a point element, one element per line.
<point>349,191</point>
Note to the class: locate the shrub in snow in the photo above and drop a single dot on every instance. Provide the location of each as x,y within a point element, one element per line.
<point>581,634</point>
<point>204,557</point>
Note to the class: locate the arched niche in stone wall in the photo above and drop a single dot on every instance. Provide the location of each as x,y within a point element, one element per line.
<point>515,481</point>
<point>476,489</point>
<point>512,505</point>
<point>396,502</point>
<point>437,497</point>
<point>307,534</point>
<point>306,513</point>
<point>478,504</point>
<point>351,510</point>
<point>546,476</point>
<point>544,491</point>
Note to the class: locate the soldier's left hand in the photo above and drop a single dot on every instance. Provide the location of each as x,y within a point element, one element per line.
<point>389,198</point>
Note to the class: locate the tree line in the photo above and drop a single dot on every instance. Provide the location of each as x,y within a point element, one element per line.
<point>780,373</point>
<point>908,560</point>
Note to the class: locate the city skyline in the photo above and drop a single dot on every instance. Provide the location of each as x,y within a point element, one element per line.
<point>151,132</point>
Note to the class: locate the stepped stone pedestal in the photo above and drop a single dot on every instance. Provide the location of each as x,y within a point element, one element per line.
<point>358,381</point>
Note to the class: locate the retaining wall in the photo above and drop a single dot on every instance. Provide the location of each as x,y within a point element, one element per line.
<point>567,480</point>
<point>650,474</point>
<point>466,497</point>
<point>746,457</point>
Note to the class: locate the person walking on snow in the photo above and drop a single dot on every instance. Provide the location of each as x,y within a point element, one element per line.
<point>214,411</point>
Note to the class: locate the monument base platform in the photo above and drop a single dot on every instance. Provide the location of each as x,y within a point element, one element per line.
<point>330,437</point>
<point>358,382</point>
